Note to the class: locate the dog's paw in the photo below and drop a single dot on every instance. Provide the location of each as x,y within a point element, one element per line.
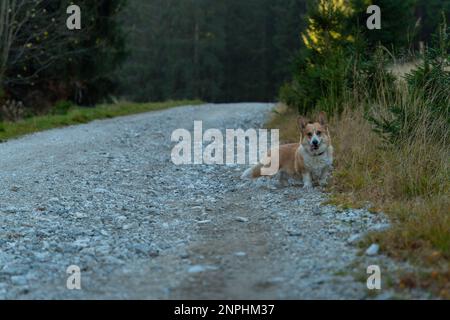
<point>308,187</point>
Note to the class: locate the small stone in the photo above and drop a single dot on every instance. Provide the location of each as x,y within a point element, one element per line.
<point>121,219</point>
<point>196,269</point>
<point>240,254</point>
<point>294,233</point>
<point>317,210</point>
<point>241,219</point>
<point>184,255</point>
<point>154,251</point>
<point>10,209</point>
<point>373,250</point>
<point>19,280</point>
<point>200,268</point>
<point>82,243</point>
<point>275,280</point>
<point>203,222</point>
<point>41,256</point>
<point>14,269</point>
<point>145,249</point>
<point>380,227</point>
<point>354,238</point>
<point>79,215</point>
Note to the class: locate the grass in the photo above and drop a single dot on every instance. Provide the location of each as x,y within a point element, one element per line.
<point>79,115</point>
<point>408,181</point>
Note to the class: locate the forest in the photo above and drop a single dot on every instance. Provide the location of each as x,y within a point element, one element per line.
<point>156,50</point>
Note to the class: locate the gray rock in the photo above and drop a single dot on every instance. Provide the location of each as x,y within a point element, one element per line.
<point>317,210</point>
<point>19,280</point>
<point>201,268</point>
<point>79,215</point>
<point>203,222</point>
<point>354,239</point>
<point>294,233</point>
<point>373,250</point>
<point>240,254</point>
<point>380,227</point>
<point>82,243</point>
<point>14,269</point>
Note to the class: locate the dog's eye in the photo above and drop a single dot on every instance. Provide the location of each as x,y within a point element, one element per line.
<point>319,133</point>
<point>310,134</point>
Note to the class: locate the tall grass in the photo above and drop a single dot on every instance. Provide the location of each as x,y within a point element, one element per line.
<point>392,141</point>
<point>393,149</point>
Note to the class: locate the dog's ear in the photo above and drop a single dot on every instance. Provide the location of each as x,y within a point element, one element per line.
<point>322,118</point>
<point>302,123</point>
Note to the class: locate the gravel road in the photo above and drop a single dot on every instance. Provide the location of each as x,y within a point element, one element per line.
<point>106,197</point>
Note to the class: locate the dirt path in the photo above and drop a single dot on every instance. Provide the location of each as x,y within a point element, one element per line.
<point>106,197</point>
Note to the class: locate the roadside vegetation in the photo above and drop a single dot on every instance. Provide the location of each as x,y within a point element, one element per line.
<point>390,123</point>
<point>65,114</point>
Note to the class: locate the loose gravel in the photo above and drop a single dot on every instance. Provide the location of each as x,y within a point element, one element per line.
<point>106,197</point>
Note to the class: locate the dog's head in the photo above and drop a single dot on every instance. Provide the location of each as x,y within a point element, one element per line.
<point>314,134</point>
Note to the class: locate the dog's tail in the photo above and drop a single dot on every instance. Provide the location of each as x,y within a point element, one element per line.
<point>253,172</point>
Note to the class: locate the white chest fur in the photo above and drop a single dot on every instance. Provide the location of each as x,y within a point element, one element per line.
<point>317,165</point>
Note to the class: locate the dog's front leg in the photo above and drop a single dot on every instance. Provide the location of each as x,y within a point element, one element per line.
<point>325,175</point>
<point>307,180</point>
<point>323,181</point>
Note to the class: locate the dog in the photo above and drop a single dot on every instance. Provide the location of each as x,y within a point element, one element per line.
<point>311,159</point>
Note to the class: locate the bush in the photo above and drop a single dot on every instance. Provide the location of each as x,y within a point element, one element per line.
<point>12,110</point>
<point>320,83</point>
<point>432,77</point>
<point>425,102</point>
<point>61,107</point>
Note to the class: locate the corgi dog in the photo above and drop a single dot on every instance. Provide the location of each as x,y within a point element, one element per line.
<point>311,159</point>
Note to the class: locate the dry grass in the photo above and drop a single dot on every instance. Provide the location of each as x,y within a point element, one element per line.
<point>409,181</point>
<point>401,69</point>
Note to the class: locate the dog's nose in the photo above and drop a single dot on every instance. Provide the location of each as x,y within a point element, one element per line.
<point>315,142</point>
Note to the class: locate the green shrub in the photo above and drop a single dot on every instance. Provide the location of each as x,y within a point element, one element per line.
<point>320,81</point>
<point>323,66</point>
<point>425,103</point>
<point>432,77</point>
<point>61,107</point>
